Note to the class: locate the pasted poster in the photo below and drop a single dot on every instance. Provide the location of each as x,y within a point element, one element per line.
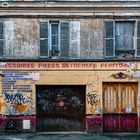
<point>18,97</point>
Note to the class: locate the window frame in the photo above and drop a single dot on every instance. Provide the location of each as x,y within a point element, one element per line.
<point>50,37</point>
<point>114,40</point>
<point>50,23</point>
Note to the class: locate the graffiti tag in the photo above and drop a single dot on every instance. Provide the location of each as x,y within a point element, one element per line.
<point>14,98</point>
<point>92,98</point>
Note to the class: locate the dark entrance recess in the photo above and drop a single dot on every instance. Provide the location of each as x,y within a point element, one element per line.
<point>60,107</point>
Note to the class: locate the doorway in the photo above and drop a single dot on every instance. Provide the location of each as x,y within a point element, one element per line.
<point>120,107</point>
<point>60,107</point>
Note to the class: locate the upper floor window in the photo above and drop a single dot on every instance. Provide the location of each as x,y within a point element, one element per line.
<point>54,39</point>
<point>121,40</point>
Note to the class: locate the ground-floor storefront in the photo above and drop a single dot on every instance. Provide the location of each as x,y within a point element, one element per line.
<point>70,96</point>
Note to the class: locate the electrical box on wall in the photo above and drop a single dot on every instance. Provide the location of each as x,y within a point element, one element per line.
<point>26,124</point>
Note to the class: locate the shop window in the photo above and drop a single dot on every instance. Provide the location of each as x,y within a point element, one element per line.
<point>54,39</point>
<point>120,39</point>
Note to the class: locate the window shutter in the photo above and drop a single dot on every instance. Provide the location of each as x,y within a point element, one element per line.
<point>138,38</point>
<point>109,39</point>
<point>44,39</point>
<point>64,38</point>
<point>75,39</point>
<point>1,39</point>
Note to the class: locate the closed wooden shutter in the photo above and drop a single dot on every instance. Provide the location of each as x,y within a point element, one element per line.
<point>1,39</point>
<point>64,38</point>
<point>75,39</point>
<point>138,38</point>
<point>109,39</point>
<point>44,39</point>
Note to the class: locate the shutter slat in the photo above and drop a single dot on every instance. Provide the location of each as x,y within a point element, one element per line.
<point>109,29</point>
<point>64,39</point>
<point>109,39</point>
<point>44,39</point>
<point>75,39</point>
<point>138,38</point>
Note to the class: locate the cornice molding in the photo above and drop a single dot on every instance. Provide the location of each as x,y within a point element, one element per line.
<point>70,9</point>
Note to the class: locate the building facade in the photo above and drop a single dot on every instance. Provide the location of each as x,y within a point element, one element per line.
<point>70,66</point>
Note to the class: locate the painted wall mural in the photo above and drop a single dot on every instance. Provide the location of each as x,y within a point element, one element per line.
<point>17,93</point>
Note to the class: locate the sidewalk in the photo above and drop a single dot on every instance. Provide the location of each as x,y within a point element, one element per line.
<point>68,136</point>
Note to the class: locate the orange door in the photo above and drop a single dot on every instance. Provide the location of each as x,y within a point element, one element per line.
<point>120,107</point>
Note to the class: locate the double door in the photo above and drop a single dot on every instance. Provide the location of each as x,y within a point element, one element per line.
<point>120,107</point>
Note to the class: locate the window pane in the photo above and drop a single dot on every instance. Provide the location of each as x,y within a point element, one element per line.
<point>54,37</point>
<point>124,33</point>
<point>65,39</point>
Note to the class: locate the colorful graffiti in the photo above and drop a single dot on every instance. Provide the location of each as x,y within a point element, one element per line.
<point>51,98</point>
<point>14,98</point>
<point>17,92</point>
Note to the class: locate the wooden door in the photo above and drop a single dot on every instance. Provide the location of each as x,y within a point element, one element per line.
<point>120,107</point>
<point>60,107</point>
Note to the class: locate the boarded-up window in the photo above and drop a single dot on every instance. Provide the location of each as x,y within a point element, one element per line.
<point>1,39</point>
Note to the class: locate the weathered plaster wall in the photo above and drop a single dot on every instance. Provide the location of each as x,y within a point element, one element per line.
<point>21,38</point>
<point>91,38</point>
